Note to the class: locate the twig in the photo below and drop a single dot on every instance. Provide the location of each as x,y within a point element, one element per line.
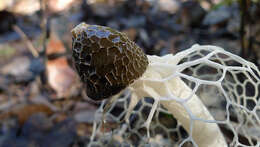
<point>242,28</point>
<point>44,37</point>
<point>29,44</point>
<point>44,27</point>
<point>244,6</point>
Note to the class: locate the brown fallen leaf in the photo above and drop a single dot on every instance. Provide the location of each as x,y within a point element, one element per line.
<point>61,77</point>
<point>24,111</point>
<point>131,33</point>
<point>84,129</point>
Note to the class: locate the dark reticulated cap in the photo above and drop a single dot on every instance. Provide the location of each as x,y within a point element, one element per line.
<point>106,60</point>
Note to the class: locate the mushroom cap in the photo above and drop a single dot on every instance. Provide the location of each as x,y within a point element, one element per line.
<point>106,60</point>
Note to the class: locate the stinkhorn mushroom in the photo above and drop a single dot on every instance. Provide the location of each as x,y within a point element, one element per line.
<point>108,62</point>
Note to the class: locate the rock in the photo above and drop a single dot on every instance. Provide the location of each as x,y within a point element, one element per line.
<point>59,5</point>
<point>25,7</point>
<point>170,6</point>
<point>144,36</point>
<point>232,46</point>
<point>28,7</point>
<point>233,25</point>
<point>23,69</point>
<point>19,65</point>
<point>62,134</point>
<point>36,66</point>
<point>102,9</point>
<point>18,69</point>
<point>85,116</point>
<point>39,130</point>
<point>134,21</point>
<point>191,13</point>
<point>36,124</point>
<point>4,82</point>
<point>5,4</point>
<point>217,16</point>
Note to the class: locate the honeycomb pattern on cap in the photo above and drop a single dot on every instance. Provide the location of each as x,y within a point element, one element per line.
<point>106,60</point>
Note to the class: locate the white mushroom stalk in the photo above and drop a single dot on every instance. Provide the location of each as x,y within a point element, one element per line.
<point>108,62</point>
<point>162,82</point>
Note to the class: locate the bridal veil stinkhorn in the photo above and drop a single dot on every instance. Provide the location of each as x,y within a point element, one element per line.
<point>108,62</point>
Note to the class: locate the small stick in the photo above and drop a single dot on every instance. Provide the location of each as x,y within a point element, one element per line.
<point>45,36</point>
<point>26,40</point>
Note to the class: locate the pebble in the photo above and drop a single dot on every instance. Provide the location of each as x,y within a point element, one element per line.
<point>23,69</point>
<point>217,16</point>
